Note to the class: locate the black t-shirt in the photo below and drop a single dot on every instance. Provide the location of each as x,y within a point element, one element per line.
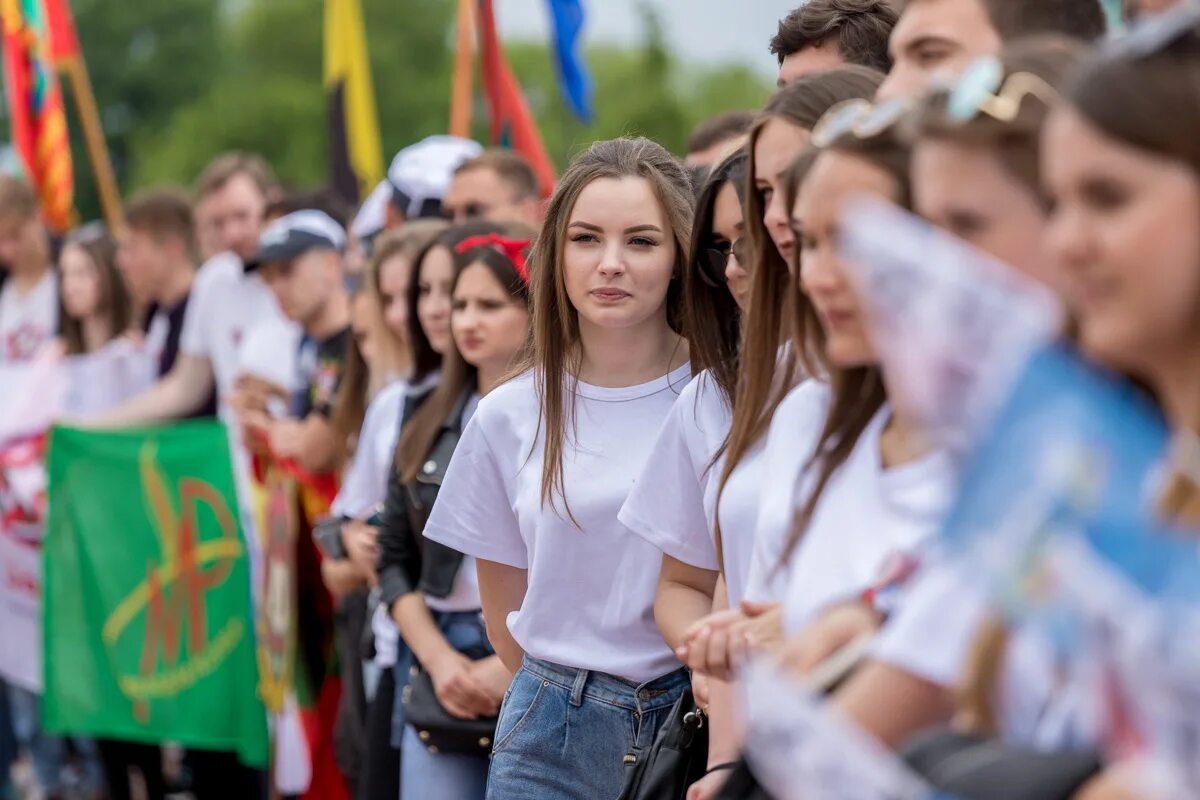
<point>170,351</point>
<point>322,365</point>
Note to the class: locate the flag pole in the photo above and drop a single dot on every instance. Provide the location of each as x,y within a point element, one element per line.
<point>464,66</point>
<point>93,135</point>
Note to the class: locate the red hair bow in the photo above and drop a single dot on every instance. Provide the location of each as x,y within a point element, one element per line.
<point>513,250</point>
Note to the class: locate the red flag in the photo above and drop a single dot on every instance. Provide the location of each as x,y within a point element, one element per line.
<point>513,125</point>
<point>60,28</point>
<point>39,124</point>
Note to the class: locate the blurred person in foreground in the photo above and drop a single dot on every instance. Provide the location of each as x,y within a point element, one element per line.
<point>941,37</point>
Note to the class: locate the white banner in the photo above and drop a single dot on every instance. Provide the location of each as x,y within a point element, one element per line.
<point>20,606</point>
<point>32,397</point>
<point>801,749</point>
<point>952,326</point>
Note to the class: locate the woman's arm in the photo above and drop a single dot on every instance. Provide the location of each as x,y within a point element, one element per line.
<point>684,595</point>
<point>340,577</point>
<point>502,590</point>
<point>458,688</point>
<point>724,731</point>
<point>892,705</point>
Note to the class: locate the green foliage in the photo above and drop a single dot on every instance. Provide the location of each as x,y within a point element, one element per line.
<point>179,80</point>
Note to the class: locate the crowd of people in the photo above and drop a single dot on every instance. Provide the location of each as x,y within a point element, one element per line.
<point>598,455</point>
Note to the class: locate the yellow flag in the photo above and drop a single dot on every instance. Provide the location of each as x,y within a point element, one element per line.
<point>356,157</point>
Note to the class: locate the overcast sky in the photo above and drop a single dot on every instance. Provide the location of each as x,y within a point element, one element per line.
<point>698,30</point>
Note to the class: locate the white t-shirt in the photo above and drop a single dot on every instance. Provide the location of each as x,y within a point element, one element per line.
<point>364,483</point>
<point>668,506</point>
<point>464,595</point>
<point>590,598</point>
<point>27,321</point>
<point>673,505</point>
<point>867,516</point>
<point>786,450</point>
<point>225,305</point>
<point>933,633</point>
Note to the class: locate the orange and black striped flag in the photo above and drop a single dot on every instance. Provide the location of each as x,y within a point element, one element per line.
<point>355,152</point>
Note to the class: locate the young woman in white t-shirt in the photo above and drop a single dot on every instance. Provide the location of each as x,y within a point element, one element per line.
<point>1120,164</point>
<point>872,489</point>
<point>977,177</point>
<point>431,589</point>
<point>543,469</point>
<point>674,504</point>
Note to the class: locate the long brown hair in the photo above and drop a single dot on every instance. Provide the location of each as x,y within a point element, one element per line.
<point>426,360</point>
<point>113,300</point>
<point>1151,102</point>
<point>712,321</point>
<point>856,393</point>
<point>554,352</point>
<point>421,431</point>
<point>403,243</point>
<point>1016,145</point>
<point>763,378</point>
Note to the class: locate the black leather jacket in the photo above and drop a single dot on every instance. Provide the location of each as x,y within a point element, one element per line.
<point>407,561</point>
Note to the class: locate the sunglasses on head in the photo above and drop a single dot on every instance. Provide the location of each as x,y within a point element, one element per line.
<point>983,89</point>
<point>860,118</point>
<point>714,258</point>
<point>1156,33</point>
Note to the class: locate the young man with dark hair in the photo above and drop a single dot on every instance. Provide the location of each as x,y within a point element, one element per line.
<point>156,255</point>
<point>232,193</point>
<point>712,138</point>
<point>1079,19</point>
<point>300,258</point>
<point>823,34</point>
<point>497,186</point>
<point>944,36</point>
<point>29,293</point>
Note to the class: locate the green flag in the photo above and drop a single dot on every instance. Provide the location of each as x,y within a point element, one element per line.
<point>148,632</point>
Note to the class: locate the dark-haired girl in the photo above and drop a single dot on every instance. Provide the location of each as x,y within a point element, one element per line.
<point>431,590</point>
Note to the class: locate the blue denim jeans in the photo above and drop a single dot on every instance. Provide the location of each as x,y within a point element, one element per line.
<point>425,774</point>
<point>566,733</point>
<point>50,752</point>
<point>449,775</point>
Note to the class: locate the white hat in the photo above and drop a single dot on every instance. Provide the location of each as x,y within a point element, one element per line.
<point>421,173</point>
<point>372,214</point>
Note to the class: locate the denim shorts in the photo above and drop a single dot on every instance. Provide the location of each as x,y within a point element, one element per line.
<point>568,733</point>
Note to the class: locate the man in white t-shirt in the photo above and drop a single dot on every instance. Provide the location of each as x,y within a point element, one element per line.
<point>29,295</point>
<point>233,192</point>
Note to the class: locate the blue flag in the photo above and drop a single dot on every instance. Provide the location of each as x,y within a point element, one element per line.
<point>572,69</point>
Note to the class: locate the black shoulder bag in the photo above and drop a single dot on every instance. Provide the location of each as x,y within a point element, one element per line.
<point>437,729</point>
<point>676,760</point>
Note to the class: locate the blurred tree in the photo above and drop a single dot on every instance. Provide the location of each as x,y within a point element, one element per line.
<point>178,81</point>
<point>146,58</point>
<point>269,97</point>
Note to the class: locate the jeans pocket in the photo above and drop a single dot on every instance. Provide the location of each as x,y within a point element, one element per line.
<point>524,696</point>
